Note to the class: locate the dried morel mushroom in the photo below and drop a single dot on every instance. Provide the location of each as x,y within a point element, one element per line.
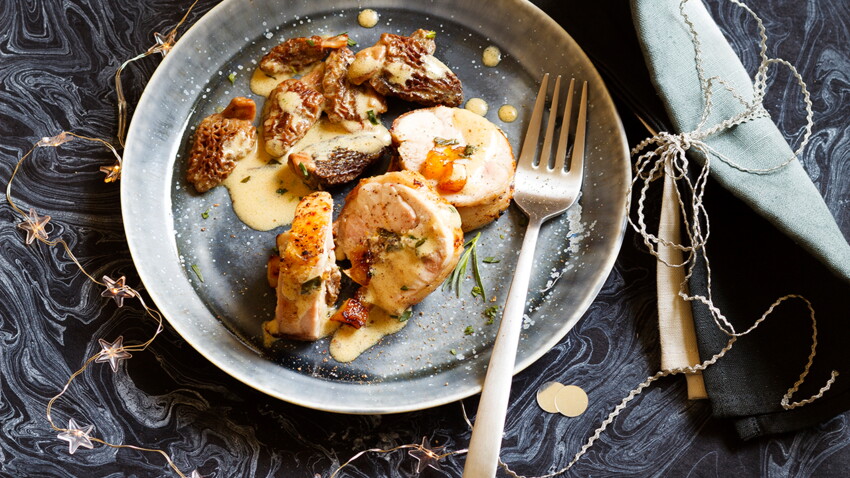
<point>220,140</point>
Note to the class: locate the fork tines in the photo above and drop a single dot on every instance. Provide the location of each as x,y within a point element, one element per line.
<point>529,148</point>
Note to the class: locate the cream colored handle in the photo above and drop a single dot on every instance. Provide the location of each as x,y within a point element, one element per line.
<point>482,458</point>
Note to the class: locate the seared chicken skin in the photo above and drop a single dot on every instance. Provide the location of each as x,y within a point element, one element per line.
<point>407,68</point>
<point>401,237</point>
<point>220,140</point>
<point>308,277</point>
<point>296,53</point>
<point>346,103</point>
<point>465,157</point>
<point>292,108</point>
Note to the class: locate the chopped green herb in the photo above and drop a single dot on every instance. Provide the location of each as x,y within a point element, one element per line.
<point>404,287</point>
<point>405,315</point>
<point>274,161</point>
<point>311,285</point>
<point>421,241</point>
<point>282,191</point>
<point>431,35</point>
<point>491,260</point>
<point>453,352</point>
<point>477,292</point>
<point>311,42</point>
<point>372,118</point>
<point>444,142</point>
<point>501,236</point>
<point>197,272</point>
<point>304,170</point>
<point>490,313</point>
<point>245,179</point>
<point>232,78</point>
<point>469,150</point>
<point>351,42</point>
<point>205,214</point>
<point>468,330</point>
<point>276,251</point>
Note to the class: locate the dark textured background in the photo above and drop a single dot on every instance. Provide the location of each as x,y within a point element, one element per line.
<point>57,59</point>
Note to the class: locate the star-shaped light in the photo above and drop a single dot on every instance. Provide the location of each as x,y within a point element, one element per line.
<point>35,225</point>
<point>113,353</point>
<point>54,141</point>
<point>113,173</point>
<point>426,456</point>
<point>116,289</point>
<point>163,43</point>
<point>76,436</point>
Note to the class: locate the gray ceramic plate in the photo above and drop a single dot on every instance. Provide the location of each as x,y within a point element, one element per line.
<point>432,361</point>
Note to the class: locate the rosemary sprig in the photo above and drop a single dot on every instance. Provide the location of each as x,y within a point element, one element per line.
<point>459,272</point>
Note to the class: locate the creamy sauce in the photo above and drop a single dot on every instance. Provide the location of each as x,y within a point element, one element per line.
<point>477,106</point>
<point>399,72</point>
<point>546,396</point>
<point>328,328</point>
<point>571,401</point>
<point>260,201</point>
<point>434,68</point>
<point>367,18</point>
<point>262,84</point>
<point>507,113</point>
<point>492,56</point>
<point>348,343</point>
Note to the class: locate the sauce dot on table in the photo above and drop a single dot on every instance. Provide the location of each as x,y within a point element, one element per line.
<point>477,106</point>
<point>507,113</point>
<point>546,396</point>
<point>492,56</point>
<point>367,18</point>
<point>571,401</point>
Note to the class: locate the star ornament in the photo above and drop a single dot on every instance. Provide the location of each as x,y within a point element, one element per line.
<point>54,141</point>
<point>76,436</point>
<point>426,456</point>
<point>113,352</point>
<point>113,173</point>
<point>163,43</point>
<point>117,289</point>
<point>35,225</point>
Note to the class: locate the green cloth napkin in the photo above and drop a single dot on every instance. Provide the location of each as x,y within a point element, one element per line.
<point>752,263</point>
<point>787,197</point>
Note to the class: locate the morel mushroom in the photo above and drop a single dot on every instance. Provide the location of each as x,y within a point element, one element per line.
<point>220,140</point>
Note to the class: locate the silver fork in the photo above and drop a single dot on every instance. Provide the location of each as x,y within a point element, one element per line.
<point>542,193</point>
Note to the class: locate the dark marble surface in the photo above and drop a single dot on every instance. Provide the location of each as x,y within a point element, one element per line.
<point>57,58</point>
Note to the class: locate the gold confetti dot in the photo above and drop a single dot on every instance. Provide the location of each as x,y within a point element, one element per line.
<point>571,401</point>
<point>546,396</point>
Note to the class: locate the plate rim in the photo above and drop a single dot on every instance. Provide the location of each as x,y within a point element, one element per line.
<point>130,226</point>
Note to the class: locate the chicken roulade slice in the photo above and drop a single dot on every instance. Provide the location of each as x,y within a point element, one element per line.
<point>466,158</point>
<point>401,237</point>
<point>307,275</point>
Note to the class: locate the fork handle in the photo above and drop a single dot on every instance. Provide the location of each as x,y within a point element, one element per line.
<point>482,458</point>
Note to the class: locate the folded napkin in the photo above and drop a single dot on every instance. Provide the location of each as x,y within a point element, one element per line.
<point>771,235</point>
